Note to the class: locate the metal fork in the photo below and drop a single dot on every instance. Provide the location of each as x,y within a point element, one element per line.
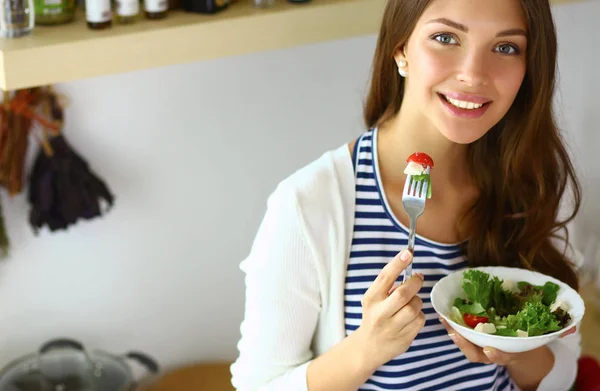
<point>413,201</point>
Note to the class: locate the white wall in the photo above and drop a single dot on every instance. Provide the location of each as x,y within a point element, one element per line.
<point>579,114</point>
<point>191,167</point>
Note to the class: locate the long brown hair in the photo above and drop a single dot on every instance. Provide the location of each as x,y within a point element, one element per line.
<point>521,165</point>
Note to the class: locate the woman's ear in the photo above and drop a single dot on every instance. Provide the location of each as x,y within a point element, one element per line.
<point>401,61</point>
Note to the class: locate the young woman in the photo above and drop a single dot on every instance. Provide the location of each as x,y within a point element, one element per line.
<point>470,83</point>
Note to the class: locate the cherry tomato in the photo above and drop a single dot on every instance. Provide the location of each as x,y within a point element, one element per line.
<point>421,158</point>
<point>474,320</point>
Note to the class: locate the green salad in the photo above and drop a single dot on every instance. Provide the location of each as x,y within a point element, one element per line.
<point>494,306</point>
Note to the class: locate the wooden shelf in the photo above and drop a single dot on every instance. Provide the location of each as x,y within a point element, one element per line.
<point>55,54</point>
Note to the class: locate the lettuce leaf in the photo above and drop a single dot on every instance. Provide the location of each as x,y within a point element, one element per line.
<point>547,293</point>
<point>469,308</point>
<point>477,287</point>
<point>527,310</point>
<point>457,316</point>
<point>506,332</point>
<point>536,319</point>
<point>424,177</point>
<point>562,316</point>
<point>550,290</point>
<point>503,301</point>
<point>509,322</point>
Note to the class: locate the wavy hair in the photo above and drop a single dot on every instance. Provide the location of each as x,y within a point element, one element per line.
<point>521,166</point>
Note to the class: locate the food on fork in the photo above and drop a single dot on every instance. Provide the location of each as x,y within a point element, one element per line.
<point>418,163</point>
<point>417,166</point>
<point>493,306</point>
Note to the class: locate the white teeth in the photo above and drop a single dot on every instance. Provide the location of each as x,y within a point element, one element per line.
<point>463,104</point>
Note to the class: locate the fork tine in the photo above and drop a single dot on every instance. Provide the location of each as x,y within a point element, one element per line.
<point>407,184</point>
<point>425,188</point>
<point>414,188</point>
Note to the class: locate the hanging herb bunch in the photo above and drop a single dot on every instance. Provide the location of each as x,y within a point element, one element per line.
<point>15,124</point>
<point>62,187</point>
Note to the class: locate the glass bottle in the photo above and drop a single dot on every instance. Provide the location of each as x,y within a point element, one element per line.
<point>156,9</point>
<point>127,11</point>
<point>16,18</point>
<point>262,3</point>
<point>53,12</point>
<point>98,14</point>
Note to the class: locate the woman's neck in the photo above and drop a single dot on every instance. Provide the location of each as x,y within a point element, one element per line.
<point>404,135</point>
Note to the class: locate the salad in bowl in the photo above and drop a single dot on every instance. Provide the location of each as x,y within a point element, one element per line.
<point>510,309</point>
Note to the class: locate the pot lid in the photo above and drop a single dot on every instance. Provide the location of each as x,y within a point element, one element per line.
<point>64,365</point>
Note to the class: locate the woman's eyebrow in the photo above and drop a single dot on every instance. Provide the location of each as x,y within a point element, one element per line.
<point>510,32</point>
<point>450,23</point>
<point>462,27</point>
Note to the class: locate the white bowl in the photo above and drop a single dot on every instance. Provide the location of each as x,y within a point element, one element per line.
<point>448,288</point>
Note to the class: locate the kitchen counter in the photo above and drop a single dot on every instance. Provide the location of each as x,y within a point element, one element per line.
<point>590,325</point>
<point>200,377</point>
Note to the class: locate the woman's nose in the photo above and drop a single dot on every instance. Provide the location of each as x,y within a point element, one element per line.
<point>473,70</point>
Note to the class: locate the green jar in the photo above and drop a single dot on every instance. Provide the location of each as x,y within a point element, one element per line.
<point>51,12</point>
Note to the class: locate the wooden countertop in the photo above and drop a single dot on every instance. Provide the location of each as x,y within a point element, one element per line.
<point>590,325</point>
<point>200,377</point>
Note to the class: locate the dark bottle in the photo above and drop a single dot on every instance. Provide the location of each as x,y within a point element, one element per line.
<point>205,6</point>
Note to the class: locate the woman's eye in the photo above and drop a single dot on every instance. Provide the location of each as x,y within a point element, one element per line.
<point>507,49</point>
<point>446,39</point>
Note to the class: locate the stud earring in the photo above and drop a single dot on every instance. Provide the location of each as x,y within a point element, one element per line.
<point>401,65</point>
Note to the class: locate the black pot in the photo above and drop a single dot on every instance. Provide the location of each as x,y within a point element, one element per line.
<point>65,365</point>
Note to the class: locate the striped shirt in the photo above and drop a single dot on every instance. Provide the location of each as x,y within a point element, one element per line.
<point>432,362</point>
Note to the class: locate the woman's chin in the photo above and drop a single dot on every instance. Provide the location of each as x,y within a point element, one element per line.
<point>463,136</point>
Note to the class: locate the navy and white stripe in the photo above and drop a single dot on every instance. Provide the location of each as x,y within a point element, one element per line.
<point>432,362</point>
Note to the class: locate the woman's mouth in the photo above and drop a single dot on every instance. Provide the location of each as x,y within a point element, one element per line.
<point>467,107</point>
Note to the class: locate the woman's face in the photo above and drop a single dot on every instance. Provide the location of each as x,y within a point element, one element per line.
<point>466,61</point>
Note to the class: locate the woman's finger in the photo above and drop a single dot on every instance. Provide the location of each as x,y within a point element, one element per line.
<point>569,332</point>
<point>409,312</point>
<point>473,352</point>
<point>498,357</point>
<point>413,328</point>
<point>402,295</point>
<point>387,277</point>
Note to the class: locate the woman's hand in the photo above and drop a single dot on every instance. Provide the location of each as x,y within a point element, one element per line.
<point>526,369</point>
<point>392,315</point>
<point>488,355</point>
<point>391,320</point>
